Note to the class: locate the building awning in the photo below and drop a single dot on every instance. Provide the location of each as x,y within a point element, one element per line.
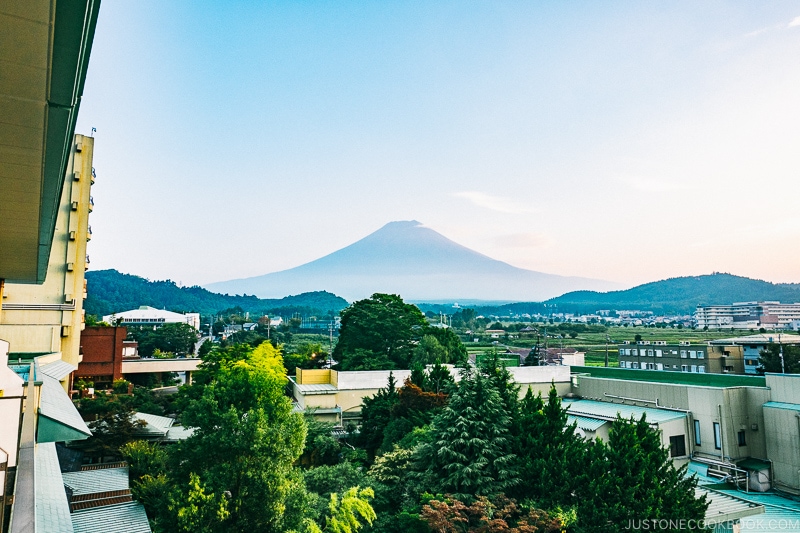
<point>609,411</point>
<point>726,508</point>
<point>585,423</point>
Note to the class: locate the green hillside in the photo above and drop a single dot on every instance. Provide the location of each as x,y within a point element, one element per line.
<point>110,291</point>
<point>680,295</point>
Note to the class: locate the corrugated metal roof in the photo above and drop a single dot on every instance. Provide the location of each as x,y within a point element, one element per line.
<point>56,405</point>
<point>120,518</point>
<point>780,514</point>
<point>609,411</point>
<point>176,433</point>
<point>586,424</point>
<point>95,481</point>
<point>58,369</point>
<point>155,425</point>
<point>724,507</point>
<point>52,508</point>
<point>783,405</point>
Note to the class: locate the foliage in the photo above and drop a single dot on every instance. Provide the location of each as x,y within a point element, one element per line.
<point>347,514</point>
<point>246,439</point>
<point>769,359</point>
<point>111,423</point>
<point>375,414</point>
<point>378,332</point>
<point>144,458</point>
<point>197,510</point>
<point>177,337</point>
<point>632,477</point>
<point>471,449</point>
<point>500,515</point>
<point>552,456</point>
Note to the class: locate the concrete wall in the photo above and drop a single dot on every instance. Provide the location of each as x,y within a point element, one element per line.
<point>782,429</point>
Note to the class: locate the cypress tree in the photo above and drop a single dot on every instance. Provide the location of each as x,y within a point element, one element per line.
<point>471,450</point>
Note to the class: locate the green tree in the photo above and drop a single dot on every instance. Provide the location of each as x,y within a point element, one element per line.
<point>470,453</point>
<point>378,333</point>
<point>769,359</point>
<point>196,510</point>
<point>177,338</point>
<point>246,440</point>
<point>500,515</point>
<point>348,513</point>
<point>429,351</point>
<point>633,478</point>
<point>552,456</point>
<point>455,353</point>
<point>376,413</point>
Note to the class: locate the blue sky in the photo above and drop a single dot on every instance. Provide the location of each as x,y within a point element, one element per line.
<point>628,141</point>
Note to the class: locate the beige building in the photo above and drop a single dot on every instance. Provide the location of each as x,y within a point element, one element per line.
<point>337,396</point>
<point>48,317</point>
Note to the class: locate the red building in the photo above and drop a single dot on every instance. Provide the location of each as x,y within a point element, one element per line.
<point>102,349</point>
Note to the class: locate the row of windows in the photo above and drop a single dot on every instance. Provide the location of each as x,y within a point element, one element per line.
<point>741,436</point>
<point>701,369</point>
<point>691,354</point>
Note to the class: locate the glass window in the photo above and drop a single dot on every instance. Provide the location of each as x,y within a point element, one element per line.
<point>700,354</point>
<point>742,441</point>
<point>684,368</point>
<point>717,436</point>
<point>697,432</point>
<point>683,354</point>
<point>693,354</point>
<point>677,446</point>
<point>701,369</point>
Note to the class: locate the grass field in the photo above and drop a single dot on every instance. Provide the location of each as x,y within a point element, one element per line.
<point>594,344</point>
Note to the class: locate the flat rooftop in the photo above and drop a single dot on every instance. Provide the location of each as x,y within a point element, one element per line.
<point>674,378</point>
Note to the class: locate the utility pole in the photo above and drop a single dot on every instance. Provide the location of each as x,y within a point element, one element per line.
<point>783,365</point>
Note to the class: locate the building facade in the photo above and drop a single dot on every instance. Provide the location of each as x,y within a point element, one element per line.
<point>150,316</point>
<point>748,315</point>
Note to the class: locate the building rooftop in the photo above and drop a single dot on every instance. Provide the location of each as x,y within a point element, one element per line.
<point>675,378</point>
<point>51,506</point>
<point>96,481</point>
<point>609,411</point>
<point>120,518</point>
<point>58,407</point>
<point>761,338</point>
<point>586,423</point>
<point>154,425</point>
<point>58,369</point>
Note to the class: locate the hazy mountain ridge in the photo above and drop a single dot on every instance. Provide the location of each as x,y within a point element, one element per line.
<point>416,262</point>
<point>110,291</point>
<point>680,295</point>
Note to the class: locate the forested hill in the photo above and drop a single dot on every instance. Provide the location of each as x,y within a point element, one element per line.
<point>680,295</point>
<point>110,291</point>
<point>674,295</point>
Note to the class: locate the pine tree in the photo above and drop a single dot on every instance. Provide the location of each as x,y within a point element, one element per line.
<point>633,478</point>
<point>552,456</point>
<point>471,450</point>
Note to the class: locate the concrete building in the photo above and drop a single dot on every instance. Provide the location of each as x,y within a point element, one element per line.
<point>150,316</point>
<point>748,315</point>
<point>48,317</point>
<point>337,396</point>
<point>744,351</point>
<point>658,355</point>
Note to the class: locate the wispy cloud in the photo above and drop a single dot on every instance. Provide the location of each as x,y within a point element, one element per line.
<point>495,203</point>
<point>652,185</point>
<point>523,240</point>
<point>795,22</point>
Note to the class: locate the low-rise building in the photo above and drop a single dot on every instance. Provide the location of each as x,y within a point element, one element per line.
<point>748,315</point>
<point>744,351</point>
<point>658,355</point>
<point>150,316</point>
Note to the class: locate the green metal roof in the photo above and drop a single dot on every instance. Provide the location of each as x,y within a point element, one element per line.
<point>96,481</point>
<point>780,514</point>
<point>63,422</point>
<point>783,405</point>
<point>609,411</point>
<point>676,378</point>
<point>585,423</point>
<point>52,508</point>
<point>127,517</point>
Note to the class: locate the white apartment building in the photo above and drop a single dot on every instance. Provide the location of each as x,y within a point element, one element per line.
<point>748,315</point>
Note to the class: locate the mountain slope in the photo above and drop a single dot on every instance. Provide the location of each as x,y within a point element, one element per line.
<point>680,294</point>
<point>416,262</point>
<point>110,291</point>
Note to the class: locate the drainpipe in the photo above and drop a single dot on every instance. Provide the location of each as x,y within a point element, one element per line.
<point>721,435</point>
